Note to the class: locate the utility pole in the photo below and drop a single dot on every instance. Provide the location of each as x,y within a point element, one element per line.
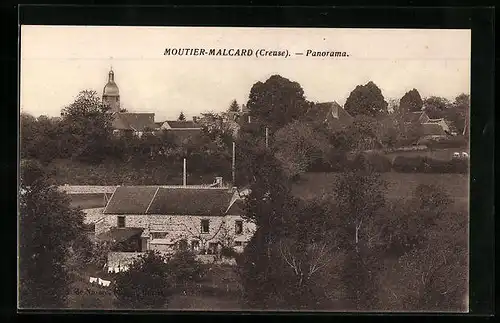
<point>234,163</point>
<point>267,137</point>
<point>184,178</point>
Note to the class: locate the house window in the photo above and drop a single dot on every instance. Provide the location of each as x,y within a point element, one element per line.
<point>158,235</point>
<point>205,226</point>
<point>238,227</point>
<point>121,222</point>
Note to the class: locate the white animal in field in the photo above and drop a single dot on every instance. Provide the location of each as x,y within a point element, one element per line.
<point>456,155</point>
<point>105,283</point>
<point>465,155</point>
<point>93,280</point>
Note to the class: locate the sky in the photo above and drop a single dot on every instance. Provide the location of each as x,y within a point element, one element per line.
<point>57,62</point>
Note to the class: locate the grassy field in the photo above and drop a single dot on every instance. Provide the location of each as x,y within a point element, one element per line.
<point>440,154</point>
<point>400,185</point>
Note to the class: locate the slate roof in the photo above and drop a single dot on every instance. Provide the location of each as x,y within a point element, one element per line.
<point>190,201</point>
<point>330,112</point>
<point>171,201</point>
<point>415,116</point>
<point>130,200</point>
<point>182,124</point>
<point>432,129</point>
<point>134,121</point>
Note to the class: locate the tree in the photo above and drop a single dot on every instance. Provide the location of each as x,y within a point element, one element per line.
<point>436,107</point>
<point>458,113</point>
<point>367,100</point>
<point>147,283</point>
<point>234,107</point>
<point>363,133</point>
<point>185,268</point>
<point>87,127</point>
<point>359,197</point>
<point>410,102</point>
<point>48,229</point>
<point>277,102</point>
<point>181,117</point>
<point>297,146</point>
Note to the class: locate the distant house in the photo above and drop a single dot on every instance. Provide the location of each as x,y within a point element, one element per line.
<point>134,123</point>
<point>181,130</point>
<point>432,131</point>
<point>330,114</point>
<point>417,116</point>
<point>170,218</point>
<point>442,123</point>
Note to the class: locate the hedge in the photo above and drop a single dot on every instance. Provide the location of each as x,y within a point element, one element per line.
<point>421,164</point>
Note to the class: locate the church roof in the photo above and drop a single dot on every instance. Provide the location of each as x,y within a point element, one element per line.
<point>111,89</point>
<point>134,121</point>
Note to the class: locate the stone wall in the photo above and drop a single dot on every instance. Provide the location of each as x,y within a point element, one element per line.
<point>178,227</point>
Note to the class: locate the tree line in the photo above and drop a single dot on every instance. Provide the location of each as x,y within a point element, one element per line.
<point>352,249</point>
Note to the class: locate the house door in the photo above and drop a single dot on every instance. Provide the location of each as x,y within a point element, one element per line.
<point>195,245</point>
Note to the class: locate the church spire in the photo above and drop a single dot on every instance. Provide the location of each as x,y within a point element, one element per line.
<point>111,75</point>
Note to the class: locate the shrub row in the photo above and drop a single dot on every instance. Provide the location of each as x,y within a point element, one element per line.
<point>380,163</point>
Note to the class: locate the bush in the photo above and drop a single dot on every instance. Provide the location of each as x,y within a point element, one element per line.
<point>422,164</point>
<point>375,162</point>
<point>228,252</point>
<point>450,142</point>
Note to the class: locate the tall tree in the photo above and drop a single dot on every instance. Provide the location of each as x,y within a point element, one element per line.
<point>87,127</point>
<point>411,102</point>
<point>181,117</point>
<point>48,229</point>
<point>366,99</point>
<point>459,112</point>
<point>436,107</point>
<point>234,107</point>
<point>277,101</point>
<point>297,146</point>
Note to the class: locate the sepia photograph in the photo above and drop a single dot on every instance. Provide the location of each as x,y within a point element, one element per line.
<point>244,169</point>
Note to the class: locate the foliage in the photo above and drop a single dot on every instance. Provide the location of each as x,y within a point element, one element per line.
<point>458,113</point>
<point>181,117</point>
<point>297,146</point>
<point>234,107</point>
<point>363,133</point>
<point>366,100</point>
<point>277,102</point>
<point>185,268</point>
<point>436,107</point>
<point>147,283</point>
<point>411,102</point>
<point>48,230</point>
<point>86,126</point>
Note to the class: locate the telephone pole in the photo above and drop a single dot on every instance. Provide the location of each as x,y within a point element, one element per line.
<point>267,137</point>
<point>184,177</point>
<point>234,163</point>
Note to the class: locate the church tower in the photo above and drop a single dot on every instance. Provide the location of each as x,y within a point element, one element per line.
<point>111,94</point>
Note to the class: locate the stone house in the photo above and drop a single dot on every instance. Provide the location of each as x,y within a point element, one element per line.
<point>133,123</point>
<point>169,218</point>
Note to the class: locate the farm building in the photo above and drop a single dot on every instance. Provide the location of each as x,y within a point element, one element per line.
<point>169,218</point>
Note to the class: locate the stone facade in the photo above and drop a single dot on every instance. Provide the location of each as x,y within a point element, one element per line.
<point>165,232</point>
